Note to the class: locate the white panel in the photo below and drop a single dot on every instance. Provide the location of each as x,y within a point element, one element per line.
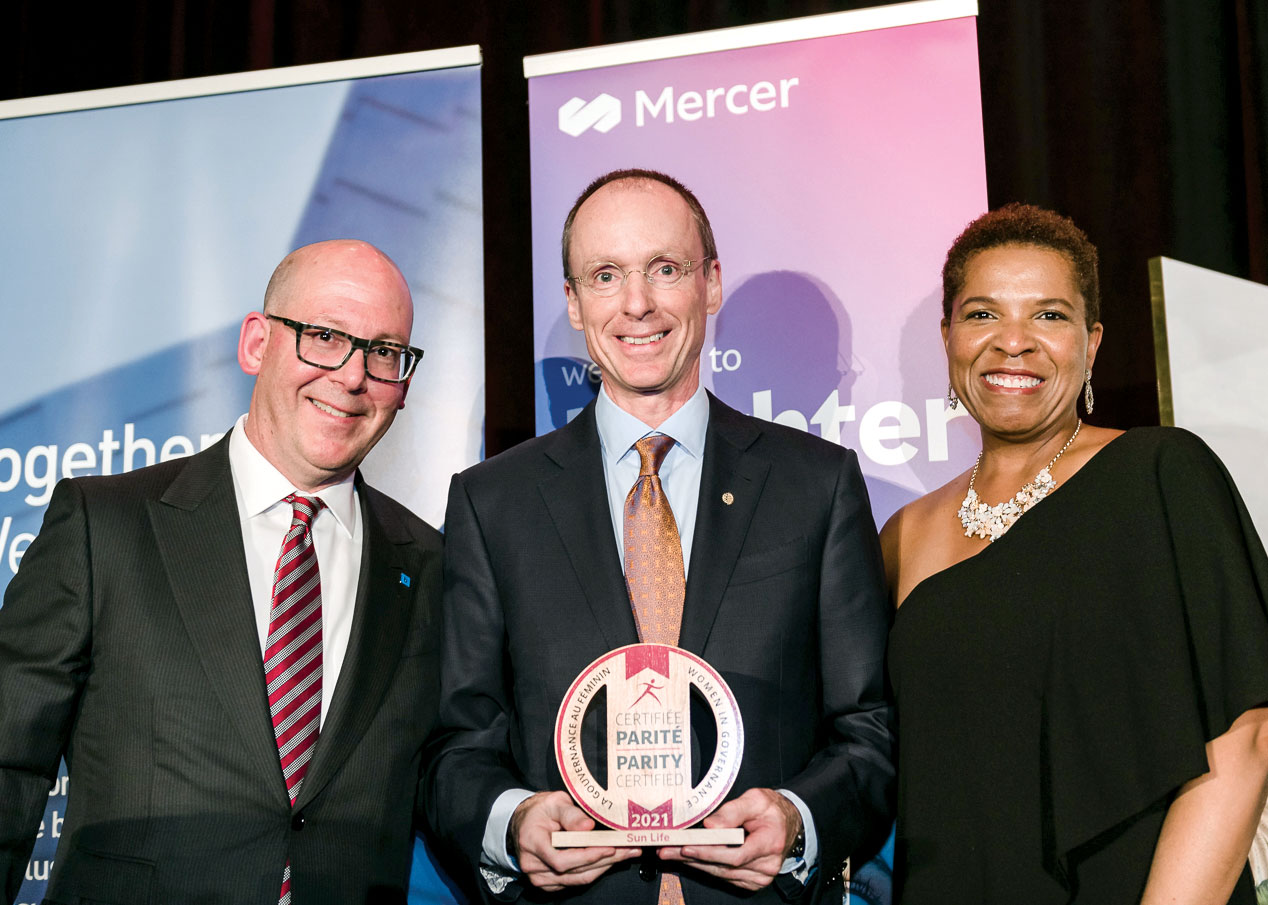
<point>1217,340</point>
<point>243,81</point>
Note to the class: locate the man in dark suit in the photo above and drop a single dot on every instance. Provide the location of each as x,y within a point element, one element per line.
<point>134,638</point>
<point>783,594</point>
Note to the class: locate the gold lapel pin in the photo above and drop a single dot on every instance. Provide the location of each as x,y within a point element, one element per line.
<point>728,498</point>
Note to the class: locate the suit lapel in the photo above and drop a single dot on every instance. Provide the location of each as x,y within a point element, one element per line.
<point>380,623</point>
<point>199,537</point>
<point>577,499</point>
<point>728,469</point>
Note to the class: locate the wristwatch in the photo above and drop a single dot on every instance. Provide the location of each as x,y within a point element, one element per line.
<point>798,849</point>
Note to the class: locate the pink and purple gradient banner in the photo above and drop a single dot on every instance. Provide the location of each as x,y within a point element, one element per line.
<point>836,170</point>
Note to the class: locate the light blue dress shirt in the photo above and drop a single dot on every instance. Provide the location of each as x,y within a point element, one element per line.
<point>679,472</point>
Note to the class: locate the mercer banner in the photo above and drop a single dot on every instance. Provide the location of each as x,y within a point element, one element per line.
<point>837,157</point>
<point>141,224</point>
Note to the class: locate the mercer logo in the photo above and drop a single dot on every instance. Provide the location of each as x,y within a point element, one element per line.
<point>600,114</point>
<point>667,106</point>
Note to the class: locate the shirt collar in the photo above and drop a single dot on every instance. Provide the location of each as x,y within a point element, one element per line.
<point>262,486</point>
<point>619,430</point>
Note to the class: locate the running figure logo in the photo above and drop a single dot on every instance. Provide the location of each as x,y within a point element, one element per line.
<point>649,688</point>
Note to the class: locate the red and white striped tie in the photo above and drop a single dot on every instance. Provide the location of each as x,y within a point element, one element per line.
<point>292,653</point>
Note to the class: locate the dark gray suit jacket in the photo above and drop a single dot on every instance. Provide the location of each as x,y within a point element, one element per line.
<point>128,644</point>
<point>785,597</point>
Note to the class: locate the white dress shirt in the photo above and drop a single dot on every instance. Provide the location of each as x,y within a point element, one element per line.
<point>337,530</point>
<point>680,478</point>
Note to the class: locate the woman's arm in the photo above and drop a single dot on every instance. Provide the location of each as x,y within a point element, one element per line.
<point>1209,827</point>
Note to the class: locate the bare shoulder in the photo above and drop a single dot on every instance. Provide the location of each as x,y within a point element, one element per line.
<point>923,538</point>
<point>907,521</point>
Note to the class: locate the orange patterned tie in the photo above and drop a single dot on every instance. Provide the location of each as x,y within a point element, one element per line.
<point>654,573</point>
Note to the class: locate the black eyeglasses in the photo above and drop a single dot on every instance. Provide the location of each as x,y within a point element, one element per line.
<point>330,349</point>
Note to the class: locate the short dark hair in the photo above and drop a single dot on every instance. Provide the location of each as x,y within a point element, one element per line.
<point>1025,224</point>
<point>697,210</point>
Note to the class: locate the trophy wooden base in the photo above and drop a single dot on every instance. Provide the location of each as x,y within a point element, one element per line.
<point>647,838</point>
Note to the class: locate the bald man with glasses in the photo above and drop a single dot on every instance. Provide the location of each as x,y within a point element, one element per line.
<point>236,652</point>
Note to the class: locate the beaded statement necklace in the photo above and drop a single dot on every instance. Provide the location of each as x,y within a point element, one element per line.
<point>982,520</point>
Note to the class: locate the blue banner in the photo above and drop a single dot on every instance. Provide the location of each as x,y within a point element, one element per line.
<point>136,237</point>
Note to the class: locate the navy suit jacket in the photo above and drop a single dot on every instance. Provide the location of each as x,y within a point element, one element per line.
<point>128,644</point>
<point>785,597</point>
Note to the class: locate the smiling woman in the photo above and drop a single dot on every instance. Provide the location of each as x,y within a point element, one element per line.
<point>1018,342</point>
<point>1090,649</point>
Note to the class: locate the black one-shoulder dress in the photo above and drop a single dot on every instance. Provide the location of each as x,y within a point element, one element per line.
<point>1055,691</point>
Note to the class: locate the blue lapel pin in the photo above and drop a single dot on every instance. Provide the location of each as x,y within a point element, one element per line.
<point>405,579</point>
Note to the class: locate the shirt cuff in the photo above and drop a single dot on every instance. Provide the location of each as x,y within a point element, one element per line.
<point>493,848</point>
<point>801,867</point>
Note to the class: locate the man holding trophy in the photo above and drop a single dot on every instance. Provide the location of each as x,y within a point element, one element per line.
<point>660,515</point>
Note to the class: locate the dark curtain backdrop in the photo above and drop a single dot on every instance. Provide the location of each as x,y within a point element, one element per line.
<point>1144,120</point>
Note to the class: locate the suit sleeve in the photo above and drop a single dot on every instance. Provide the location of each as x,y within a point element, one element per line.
<point>849,783</point>
<point>45,644</point>
<point>470,762</point>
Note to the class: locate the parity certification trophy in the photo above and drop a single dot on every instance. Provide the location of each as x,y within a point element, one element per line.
<point>649,799</point>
